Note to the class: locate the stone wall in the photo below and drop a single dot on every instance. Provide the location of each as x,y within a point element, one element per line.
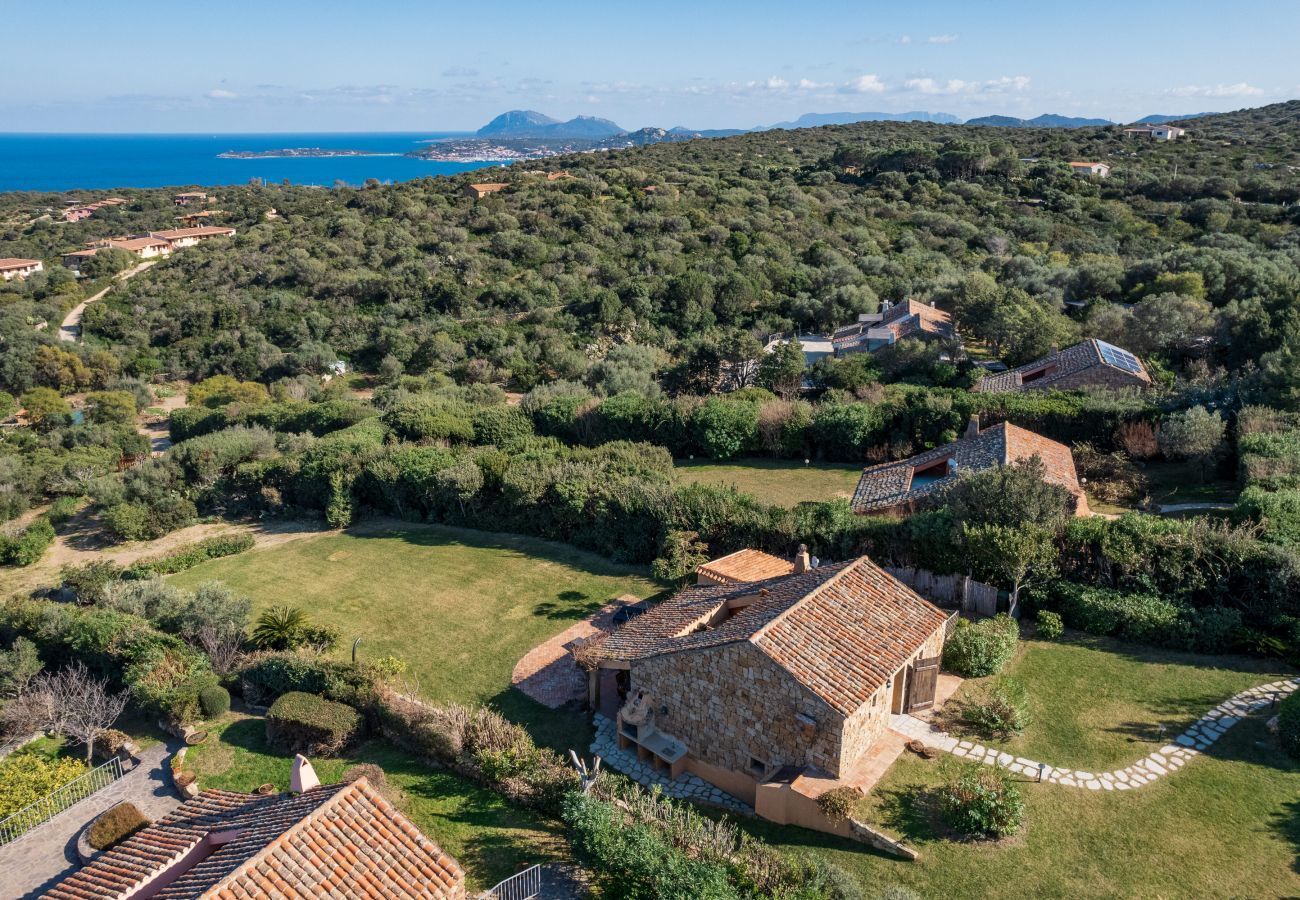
<point>1093,376</point>
<point>732,703</point>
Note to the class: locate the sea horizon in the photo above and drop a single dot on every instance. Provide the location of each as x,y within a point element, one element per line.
<point>69,161</point>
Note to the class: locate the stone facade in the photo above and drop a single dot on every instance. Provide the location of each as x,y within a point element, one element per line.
<point>1093,377</point>
<point>732,704</point>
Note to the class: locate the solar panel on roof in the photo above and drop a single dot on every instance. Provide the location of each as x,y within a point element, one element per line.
<point>1120,359</point>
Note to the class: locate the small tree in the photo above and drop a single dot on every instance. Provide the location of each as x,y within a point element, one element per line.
<point>1011,496</point>
<point>1193,434</point>
<point>683,553</point>
<point>782,371</point>
<point>79,705</point>
<point>46,409</point>
<point>224,647</point>
<point>1009,555</point>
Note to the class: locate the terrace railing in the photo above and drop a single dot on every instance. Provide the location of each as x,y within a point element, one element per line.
<point>521,886</point>
<point>49,806</point>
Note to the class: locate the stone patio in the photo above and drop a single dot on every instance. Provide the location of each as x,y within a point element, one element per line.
<point>548,674</point>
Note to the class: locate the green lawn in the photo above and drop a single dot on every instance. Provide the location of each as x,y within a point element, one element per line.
<point>460,606</point>
<point>490,838</point>
<point>1225,825</point>
<point>779,481</point>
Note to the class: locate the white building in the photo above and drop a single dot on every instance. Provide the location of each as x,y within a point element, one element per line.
<point>1090,169</point>
<point>13,267</point>
<point>1157,132</point>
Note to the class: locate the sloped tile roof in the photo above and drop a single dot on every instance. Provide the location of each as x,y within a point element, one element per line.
<point>341,840</point>
<point>10,262</point>
<point>903,319</point>
<point>1070,361</point>
<point>890,484</point>
<point>176,234</point>
<point>745,566</point>
<point>840,630</point>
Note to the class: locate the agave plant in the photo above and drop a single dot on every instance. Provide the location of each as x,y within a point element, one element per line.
<point>279,628</point>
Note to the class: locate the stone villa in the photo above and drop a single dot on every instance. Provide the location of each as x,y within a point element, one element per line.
<point>874,331</point>
<point>343,840</point>
<point>180,238</point>
<point>903,486</point>
<point>1089,364</point>
<point>479,191</point>
<point>742,683</point>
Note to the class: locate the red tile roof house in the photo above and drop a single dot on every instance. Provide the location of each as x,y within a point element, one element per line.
<point>180,238</point>
<point>743,684</point>
<point>343,840</point>
<point>12,267</point>
<point>910,318</point>
<point>904,486</point>
<point>1092,363</point>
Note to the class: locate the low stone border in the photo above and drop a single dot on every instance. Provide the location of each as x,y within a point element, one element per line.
<point>686,787</point>
<point>1171,757</point>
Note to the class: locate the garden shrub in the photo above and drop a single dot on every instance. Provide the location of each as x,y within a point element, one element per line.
<point>1050,626</point>
<point>839,804</point>
<point>215,701</point>
<point>311,725</point>
<point>62,509</point>
<point>116,824</point>
<point>266,676</point>
<point>636,862</point>
<point>982,801</point>
<point>191,556</point>
<point>1144,618</point>
<point>89,583</point>
<point>26,777</point>
<point>1288,724</point>
<point>28,545</point>
<point>976,649</point>
<point>1001,710</point>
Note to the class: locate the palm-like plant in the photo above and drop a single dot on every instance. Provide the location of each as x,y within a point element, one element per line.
<point>279,628</point>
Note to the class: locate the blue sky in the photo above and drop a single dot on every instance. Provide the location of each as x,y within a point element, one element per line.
<point>397,65</point>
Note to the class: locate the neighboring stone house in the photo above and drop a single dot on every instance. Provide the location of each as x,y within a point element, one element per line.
<point>910,318</point>
<point>906,485</point>
<point>147,247</point>
<point>189,198</point>
<point>479,191</point>
<point>12,268</point>
<point>344,840</point>
<point>1090,169</point>
<point>738,682</point>
<point>1090,364</point>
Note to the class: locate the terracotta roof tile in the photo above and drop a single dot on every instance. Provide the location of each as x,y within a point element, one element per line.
<point>293,846</point>
<point>890,485</point>
<point>744,566</point>
<point>1081,357</point>
<point>840,630</point>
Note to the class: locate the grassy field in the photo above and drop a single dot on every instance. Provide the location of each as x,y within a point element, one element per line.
<point>490,838</point>
<point>460,606</point>
<point>1226,825</point>
<point>779,481</point>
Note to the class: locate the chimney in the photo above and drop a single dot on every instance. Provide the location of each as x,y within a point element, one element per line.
<point>802,563</point>
<point>932,306</point>
<point>303,777</point>
<point>973,427</point>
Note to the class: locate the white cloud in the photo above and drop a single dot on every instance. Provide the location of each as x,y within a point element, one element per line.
<point>905,39</point>
<point>941,39</point>
<point>1240,89</point>
<point>220,94</point>
<point>865,84</point>
<point>1005,84</point>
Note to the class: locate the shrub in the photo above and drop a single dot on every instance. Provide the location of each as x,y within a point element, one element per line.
<point>62,509</point>
<point>371,773</point>
<point>89,583</point>
<point>1288,724</point>
<point>1050,626</point>
<point>214,701</point>
<point>116,824</point>
<point>189,557</point>
<point>636,862</point>
<point>311,725</point>
<point>287,628</point>
<point>981,648</point>
<point>26,777</point>
<point>839,803</point>
<point>266,676</point>
<point>28,545</point>
<point>1001,710</point>
<point>982,800</point>
<point>1144,618</point>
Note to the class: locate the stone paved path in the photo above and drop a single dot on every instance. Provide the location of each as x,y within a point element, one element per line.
<point>548,674</point>
<point>29,865</point>
<point>1198,737</point>
<point>685,787</point>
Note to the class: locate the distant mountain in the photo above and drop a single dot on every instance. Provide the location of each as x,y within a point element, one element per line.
<point>815,120</point>
<point>527,123</point>
<point>1161,120</point>
<point>1048,120</point>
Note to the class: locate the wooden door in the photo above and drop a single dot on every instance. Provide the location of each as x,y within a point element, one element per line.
<point>922,684</point>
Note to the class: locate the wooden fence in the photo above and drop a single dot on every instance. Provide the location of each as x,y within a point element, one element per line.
<point>954,591</point>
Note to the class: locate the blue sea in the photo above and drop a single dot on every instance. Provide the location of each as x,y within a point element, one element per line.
<point>59,162</point>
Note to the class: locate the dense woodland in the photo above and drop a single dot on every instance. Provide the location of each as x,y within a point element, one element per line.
<point>622,300</point>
